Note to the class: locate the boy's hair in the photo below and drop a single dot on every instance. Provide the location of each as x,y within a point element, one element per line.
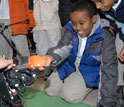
<point>87,5</point>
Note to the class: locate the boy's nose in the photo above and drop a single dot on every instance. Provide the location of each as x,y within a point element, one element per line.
<point>98,5</point>
<point>77,26</point>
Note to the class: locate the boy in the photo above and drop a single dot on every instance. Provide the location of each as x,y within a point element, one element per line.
<point>84,52</point>
<point>114,10</point>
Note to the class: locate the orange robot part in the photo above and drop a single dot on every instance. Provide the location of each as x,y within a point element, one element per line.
<point>36,62</point>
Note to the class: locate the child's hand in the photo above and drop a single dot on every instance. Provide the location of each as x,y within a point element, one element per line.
<point>62,31</point>
<point>121,55</point>
<point>111,28</point>
<point>49,59</point>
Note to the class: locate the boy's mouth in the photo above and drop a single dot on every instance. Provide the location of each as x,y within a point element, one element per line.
<point>105,9</point>
<point>80,33</point>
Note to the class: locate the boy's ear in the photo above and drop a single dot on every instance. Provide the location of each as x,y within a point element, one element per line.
<point>94,18</point>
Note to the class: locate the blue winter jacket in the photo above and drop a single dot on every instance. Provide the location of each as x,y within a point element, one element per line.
<point>89,66</point>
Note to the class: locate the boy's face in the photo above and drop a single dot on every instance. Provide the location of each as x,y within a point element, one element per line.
<point>82,23</point>
<point>104,5</point>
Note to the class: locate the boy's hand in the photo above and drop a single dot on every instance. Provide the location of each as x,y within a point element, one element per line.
<point>62,31</point>
<point>121,55</point>
<point>49,59</point>
<point>111,28</point>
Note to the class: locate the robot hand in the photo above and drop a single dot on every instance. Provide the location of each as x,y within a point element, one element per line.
<point>36,62</point>
<point>40,62</point>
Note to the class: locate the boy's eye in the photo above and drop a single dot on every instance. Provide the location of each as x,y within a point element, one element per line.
<point>102,1</point>
<point>81,23</point>
<point>73,23</point>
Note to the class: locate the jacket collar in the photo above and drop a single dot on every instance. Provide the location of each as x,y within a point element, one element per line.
<point>115,6</point>
<point>95,25</point>
<point>120,6</point>
<point>96,33</point>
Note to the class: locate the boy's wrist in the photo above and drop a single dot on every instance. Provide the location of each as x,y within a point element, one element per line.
<point>51,58</point>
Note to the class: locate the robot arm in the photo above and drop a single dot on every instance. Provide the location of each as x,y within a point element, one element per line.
<point>14,80</point>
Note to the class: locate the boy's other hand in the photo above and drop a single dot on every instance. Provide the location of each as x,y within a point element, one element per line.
<point>62,31</point>
<point>121,55</point>
<point>111,28</point>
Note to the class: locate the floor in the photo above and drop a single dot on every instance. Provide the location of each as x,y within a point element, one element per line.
<point>90,99</point>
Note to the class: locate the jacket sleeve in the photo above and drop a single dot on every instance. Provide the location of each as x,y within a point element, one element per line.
<point>109,72</point>
<point>63,49</point>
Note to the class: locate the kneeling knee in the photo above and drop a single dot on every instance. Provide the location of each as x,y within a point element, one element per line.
<point>73,98</point>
